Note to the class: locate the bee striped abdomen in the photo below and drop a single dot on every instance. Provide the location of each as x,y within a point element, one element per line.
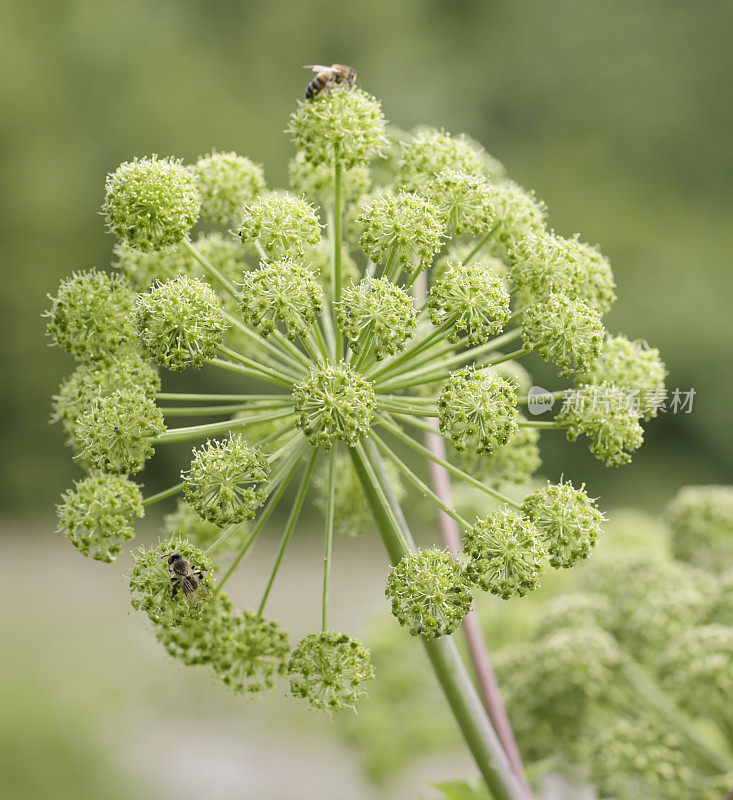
<point>316,85</point>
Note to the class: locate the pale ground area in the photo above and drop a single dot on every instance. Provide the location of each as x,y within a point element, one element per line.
<point>72,650</point>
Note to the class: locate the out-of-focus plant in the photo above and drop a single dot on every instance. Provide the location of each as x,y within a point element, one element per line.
<point>623,679</point>
<point>358,355</point>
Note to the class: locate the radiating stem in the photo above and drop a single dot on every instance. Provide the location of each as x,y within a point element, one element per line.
<point>330,514</point>
<point>447,665</point>
<point>207,411</point>
<point>197,431</point>
<point>289,528</point>
<point>267,372</point>
<point>224,398</point>
<point>154,498</point>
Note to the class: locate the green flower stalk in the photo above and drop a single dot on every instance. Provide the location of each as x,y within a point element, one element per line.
<point>337,358</point>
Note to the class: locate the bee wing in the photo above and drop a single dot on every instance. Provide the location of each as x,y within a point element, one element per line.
<point>317,67</point>
<point>194,592</point>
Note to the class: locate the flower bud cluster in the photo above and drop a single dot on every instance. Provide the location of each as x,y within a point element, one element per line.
<point>281,292</point>
<point>151,203</point>
<point>474,298</point>
<point>152,583</point>
<point>602,413</point>
<point>567,519</point>
<point>100,378</point>
<point>96,515</point>
<point>430,152</point>
<point>379,314</point>
<point>91,315</point>
<point>477,410</point>
<point>513,463</point>
<point>700,519</point>
<point>463,200</point>
<point>226,479</point>
<point>429,592</point>
<point>180,323</point>
<point>328,669</point>
<point>566,332</point>
<point>506,554</point>
<point>343,124</point>
<point>334,403</point>
<point>282,224</point>
<point>518,214</point>
<point>116,433</point>
<point>226,182</point>
<point>401,227</point>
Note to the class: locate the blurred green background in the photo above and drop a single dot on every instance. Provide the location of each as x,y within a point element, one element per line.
<point>614,112</point>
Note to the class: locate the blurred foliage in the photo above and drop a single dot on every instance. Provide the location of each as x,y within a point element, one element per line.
<point>613,112</point>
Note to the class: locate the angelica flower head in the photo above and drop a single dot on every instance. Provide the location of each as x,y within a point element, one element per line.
<point>518,215</point>
<point>429,592</point>
<point>431,151</point>
<point>280,223</point>
<point>463,201</point>
<point>226,182</point>
<point>315,180</point>
<point>151,203</point>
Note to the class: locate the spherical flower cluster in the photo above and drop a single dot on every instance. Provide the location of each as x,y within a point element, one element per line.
<point>155,591</point>
<point>697,668</point>
<point>316,180</point>
<point>430,152</point>
<point>473,298</point>
<point>575,611</point>
<point>335,403</point>
<point>632,365</point>
<point>328,669</point>
<point>478,410</point>
<point>142,269</point>
<point>99,378</point>
<point>401,228</point>
<point>462,253</point>
<point>429,592</point>
<point>505,553</point>
<point>513,463</point>
<point>225,481</point>
<point>282,224</point>
<point>96,515</point>
<point>90,316</point>
<point>603,414</point>
<point>567,519</point>
<point>343,125</point>
<point>180,323</point>
<point>544,264</point>
<point>283,291</point>
<point>633,759</point>
<point>700,519</point>
<point>463,200</point>
<point>116,433</point>
<point>151,203</point>
<point>377,314</point>
<point>226,182</point>
<point>186,522</point>
<point>566,332</point>
<point>518,214</point>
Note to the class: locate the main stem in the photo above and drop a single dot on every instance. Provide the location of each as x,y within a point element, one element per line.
<point>336,263</point>
<point>452,676</point>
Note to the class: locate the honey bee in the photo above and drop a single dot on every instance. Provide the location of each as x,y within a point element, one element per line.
<point>327,77</point>
<point>186,577</point>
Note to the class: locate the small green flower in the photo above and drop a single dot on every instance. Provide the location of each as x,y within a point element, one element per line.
<point>513,463</point>
<point>151,203</point>
<point>96,515</point>
<point>152,583</point>
<point>631,365</point>
<point>91,315</point>
<point>565,332</point>
<point>431,151</point>
<point>700,519</point>
<point>605,414</point>
<point>567,519</point>
<point>343,124</point>
<point>380,312</point>
<point>200,639</point>
<point>474,298</point>
<point>316,180</point>
<point>334,404</point>
<point>283,291</point>
<point>328,669</point>
<point>506,554</point>
<point>460,253</point>
<point>186,522</point>
<point>116,433</point>
<point>283,225</point>
<point>463,200</point>
<point>518,215</point>
<point>401,227</point>
<point>429,592</point>
<point>477,410</point>
<point>99,378</point>
<point>180,323</point>
<point>225,481</point>
<point>226,182</point>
